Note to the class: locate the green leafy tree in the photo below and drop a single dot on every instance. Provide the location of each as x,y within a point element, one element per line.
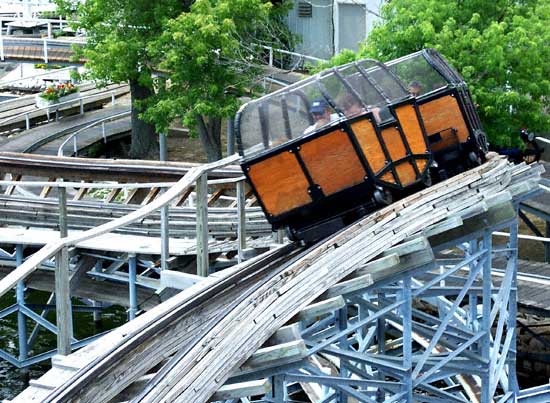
<point>500,48</point>
<point>211,58</point>
<point>118,33</point>
<point>204,53</point>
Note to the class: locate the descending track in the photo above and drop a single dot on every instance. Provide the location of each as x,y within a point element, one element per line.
<point>213,327</point>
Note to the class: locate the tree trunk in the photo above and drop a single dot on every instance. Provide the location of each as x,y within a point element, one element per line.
<point>144,138</point>
<point>210,130</point>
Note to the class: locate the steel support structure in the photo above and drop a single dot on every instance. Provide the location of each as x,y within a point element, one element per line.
<point>26,313</point>
<point>441,331</point>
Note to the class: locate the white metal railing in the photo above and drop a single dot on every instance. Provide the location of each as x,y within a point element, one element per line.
<point>74,136</point>
<point>543,140</point>
<point>57,106</point>
<point>300,56</point>
<point>42,42</point>
<point>47,73</point>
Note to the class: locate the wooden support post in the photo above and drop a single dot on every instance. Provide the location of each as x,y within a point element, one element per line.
<point>62,285</point>
<point>201,189</point>
<point>62,192</point>
<point>164,228</point>
<point>63,302</point>
<point>132,267</point>
<point>241,214</point>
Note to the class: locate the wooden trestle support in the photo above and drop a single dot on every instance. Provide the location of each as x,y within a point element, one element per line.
<point>405,305</point>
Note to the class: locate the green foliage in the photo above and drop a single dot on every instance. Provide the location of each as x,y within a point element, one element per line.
<point>500,48</point>
<point>118,33</point>
<point>205,50</point>
<point>211,57</point>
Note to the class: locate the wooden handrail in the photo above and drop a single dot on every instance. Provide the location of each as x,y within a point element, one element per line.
<point>52,248</point>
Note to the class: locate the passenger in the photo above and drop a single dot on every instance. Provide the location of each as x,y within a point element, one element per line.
<point>415,88</point>
<point>351,105</point>
<point>321,112</point>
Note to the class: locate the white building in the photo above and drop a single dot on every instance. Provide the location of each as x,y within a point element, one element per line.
<point>328,26</point>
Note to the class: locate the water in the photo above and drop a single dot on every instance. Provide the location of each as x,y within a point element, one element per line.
<point>13,380</point>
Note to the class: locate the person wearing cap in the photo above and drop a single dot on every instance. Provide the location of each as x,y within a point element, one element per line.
<point>320,110</point>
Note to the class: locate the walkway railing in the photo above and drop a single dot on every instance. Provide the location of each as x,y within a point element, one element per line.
<point>57,107</point>
<point>74,137</point>
<point>44,43</point>
<point>47,73</point>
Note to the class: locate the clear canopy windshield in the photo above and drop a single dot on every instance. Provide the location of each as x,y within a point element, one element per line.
<point>327,98</point>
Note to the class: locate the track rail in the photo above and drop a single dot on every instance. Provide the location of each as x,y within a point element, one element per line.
<point>91,169</point>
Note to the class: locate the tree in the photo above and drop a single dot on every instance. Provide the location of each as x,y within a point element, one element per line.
<point>210,56</point>
<point>204,54</point>
<point>500,48</point>
<point>118,33</point>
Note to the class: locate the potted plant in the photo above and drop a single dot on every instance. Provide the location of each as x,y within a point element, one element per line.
<point>57,93</point>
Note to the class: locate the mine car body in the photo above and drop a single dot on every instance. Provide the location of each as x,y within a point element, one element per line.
<point>380,140</point>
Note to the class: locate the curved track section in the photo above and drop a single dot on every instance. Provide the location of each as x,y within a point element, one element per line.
<point>217,325</point>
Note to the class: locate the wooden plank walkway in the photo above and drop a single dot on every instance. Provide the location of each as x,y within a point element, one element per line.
<point>123,243</point>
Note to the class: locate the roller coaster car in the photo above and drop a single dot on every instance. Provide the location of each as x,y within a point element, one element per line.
<point>326,150</point>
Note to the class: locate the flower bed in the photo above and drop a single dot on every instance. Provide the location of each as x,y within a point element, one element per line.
<point>56,94</point>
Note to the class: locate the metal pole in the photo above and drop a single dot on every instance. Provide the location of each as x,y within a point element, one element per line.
<point>241,218</point>
<point>81,106</point>
<point>45,51</point>
<point>21,323</point>
<point>27,121</point>
<point>103,132</point>
<point>230,136</point>
<point>162,147</point>
<point>201,190</point>
<point>512,307</point>
<point>1,45</point>
<point>547,244</point>
<point>270,57</point>
<point>112,98</point>
<point>132,266</point>
<point>97,304</point>
<point>164,226</point>
<point>49,30</point>
<point>486,317</point>
<point>407,337</point>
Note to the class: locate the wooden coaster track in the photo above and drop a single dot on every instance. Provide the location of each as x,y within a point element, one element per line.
<point>214,327</point>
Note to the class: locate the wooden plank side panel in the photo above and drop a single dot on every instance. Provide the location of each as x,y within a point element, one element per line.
<point>406,173</point>
<point>333,162</point>
<point>366,137</point>
<point>394,143</point>
<point>397,150</point>
<point>440,114</point>
<point>411,127</point>
<point>280,183</point>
